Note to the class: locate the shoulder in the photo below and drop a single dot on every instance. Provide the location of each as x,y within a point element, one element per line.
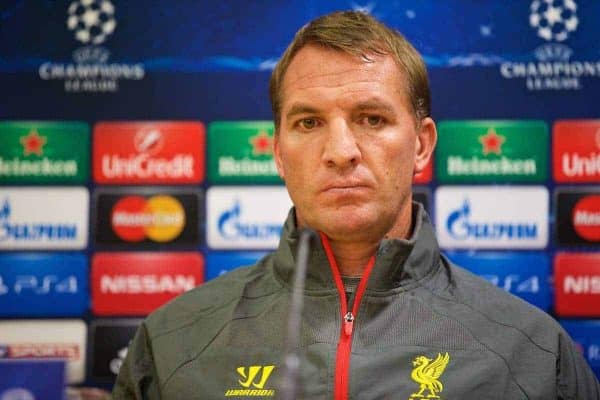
<point>503,309</point>
<point>214,299</point>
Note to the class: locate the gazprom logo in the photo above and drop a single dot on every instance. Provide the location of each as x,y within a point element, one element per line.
<point>5,210</point>
<point>231,227</point>
<point>492,217</point>
<point>461,227</point>
<point>245,217</point>
<point>32,231</point>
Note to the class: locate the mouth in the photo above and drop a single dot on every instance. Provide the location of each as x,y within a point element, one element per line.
<point>342,188</point>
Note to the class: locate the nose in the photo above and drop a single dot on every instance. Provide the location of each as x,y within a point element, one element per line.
<point>341,149</point>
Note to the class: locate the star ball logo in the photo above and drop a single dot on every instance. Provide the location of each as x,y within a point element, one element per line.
<point>92,21</point>
<point>158,218</point>
<point>554,20</point>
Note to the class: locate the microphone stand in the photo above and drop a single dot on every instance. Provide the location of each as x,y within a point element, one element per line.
<point>291,364</point>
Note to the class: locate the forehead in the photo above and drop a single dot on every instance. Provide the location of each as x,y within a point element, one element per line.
<point>316,69</point>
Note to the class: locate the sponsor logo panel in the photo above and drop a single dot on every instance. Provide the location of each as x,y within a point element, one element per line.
<point>576,151</point>
<point>92,23</point>
<point>492,151</point>
<point>149,152</point>
<point>553,65</point>
<point>241,152</point>
<point>587,336</point>
<point>44,152</point>
<point>526,275</point>
<point>43,218</point>
<point>32,380</point>
<point>43,285</point>
<point>137,283</point>
<point>147,217</point>
<point>221,262</point>
<point>46,339</point>
<point>245,217</point>
<point>492,217</point>
<point>110,339</point>
<point>578,216</point>
<point>577,281</point>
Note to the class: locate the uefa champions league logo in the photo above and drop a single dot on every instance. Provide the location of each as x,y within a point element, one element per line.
<point>91,20</point>
<point>553,20</point>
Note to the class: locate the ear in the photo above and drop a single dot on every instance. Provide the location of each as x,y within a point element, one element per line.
<point>277,155</point>
<point>425,143</point>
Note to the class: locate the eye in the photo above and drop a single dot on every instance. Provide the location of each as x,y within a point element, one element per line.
<point>374,120</point>
<point>308,123</point>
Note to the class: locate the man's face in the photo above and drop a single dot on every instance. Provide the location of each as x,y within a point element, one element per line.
<point>348,144</point>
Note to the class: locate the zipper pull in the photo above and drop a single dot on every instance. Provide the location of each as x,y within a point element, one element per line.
<point>348,323</point>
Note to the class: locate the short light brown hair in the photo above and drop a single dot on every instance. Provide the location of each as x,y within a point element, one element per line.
<point>361,35</point>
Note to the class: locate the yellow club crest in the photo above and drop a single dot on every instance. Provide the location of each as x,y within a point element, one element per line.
<point>426,373</point>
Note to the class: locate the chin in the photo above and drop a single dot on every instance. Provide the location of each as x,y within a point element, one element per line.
<point>352,226</point>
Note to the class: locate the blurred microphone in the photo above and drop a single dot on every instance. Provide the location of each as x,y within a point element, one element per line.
<point>291,364</point>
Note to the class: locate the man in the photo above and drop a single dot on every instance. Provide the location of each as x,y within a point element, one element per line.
<point>385,315</point>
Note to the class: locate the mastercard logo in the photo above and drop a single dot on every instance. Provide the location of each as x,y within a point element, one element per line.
<point>586,218</point>
<point>158,218</point>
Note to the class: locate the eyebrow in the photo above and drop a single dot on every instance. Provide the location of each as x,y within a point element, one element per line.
<point>375,105</point>
<point>366,105</point>
<point>300,108</point>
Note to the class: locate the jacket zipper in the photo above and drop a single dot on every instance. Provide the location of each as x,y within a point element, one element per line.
<point>344,348</point>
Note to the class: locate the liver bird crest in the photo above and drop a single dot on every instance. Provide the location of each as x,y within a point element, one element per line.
<point>426,374</point>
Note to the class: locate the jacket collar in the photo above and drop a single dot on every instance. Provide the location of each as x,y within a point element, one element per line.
<point>398,262</point>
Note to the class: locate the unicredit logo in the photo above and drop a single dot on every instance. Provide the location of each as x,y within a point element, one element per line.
<point>461,227</point>
<point>159,218</point>
<point>575,164</point>
<point>148,142</point>
<point>146,284</point>
<point>150,152</point>
<point>586,218</point>
<point>230,226</point>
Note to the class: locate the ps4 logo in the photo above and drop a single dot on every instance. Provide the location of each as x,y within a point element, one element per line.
<point>231,227</point>
<point>515,283</point>
<point>31,284</point>
<point>460,227</point>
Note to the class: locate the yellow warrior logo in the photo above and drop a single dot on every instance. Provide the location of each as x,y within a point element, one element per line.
<point>426,374</point>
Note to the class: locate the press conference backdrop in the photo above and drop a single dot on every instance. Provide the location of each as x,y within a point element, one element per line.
<point>136,161</point>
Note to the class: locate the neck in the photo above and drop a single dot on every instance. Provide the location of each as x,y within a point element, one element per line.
<point>352,256</point>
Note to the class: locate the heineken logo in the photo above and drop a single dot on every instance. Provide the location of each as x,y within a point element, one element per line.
<point>262,144</point>
<point>490,151</point>
<point>43,152</point>
<point>242,152</point>
<point>492,142</point>
<point>33,143</point>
